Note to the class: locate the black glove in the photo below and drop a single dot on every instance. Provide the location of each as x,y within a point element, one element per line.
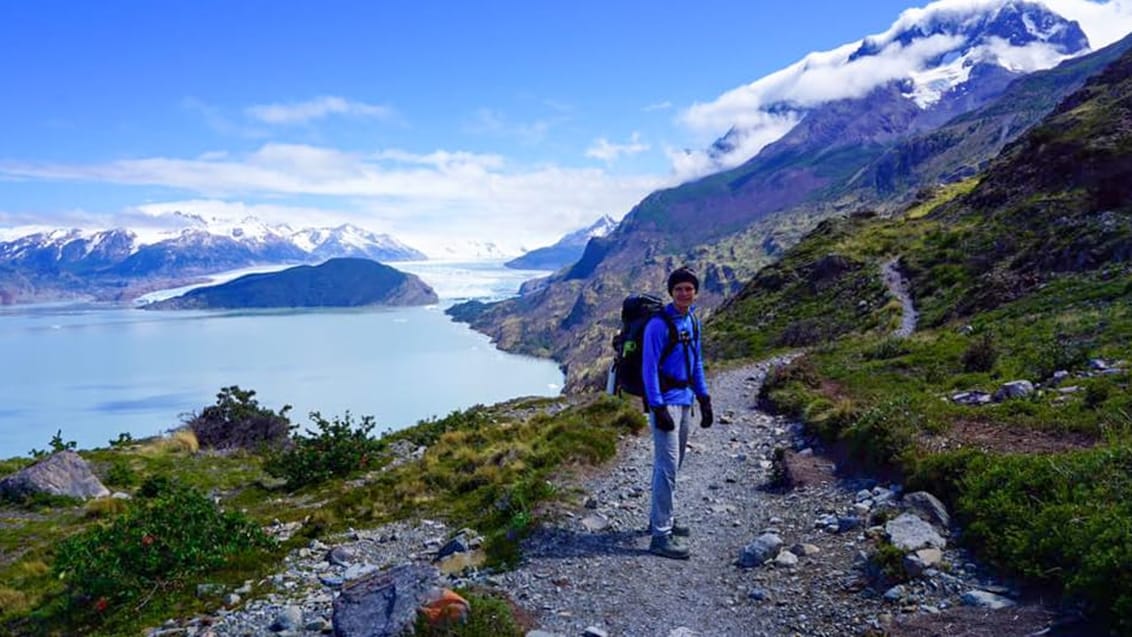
<point>663,418</point>
<point>707,416</point>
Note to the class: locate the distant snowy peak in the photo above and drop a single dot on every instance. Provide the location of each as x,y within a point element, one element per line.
<point>599,228</point>
<point>181,243</point>
<point>1017,24</point>
<point>351,241</point>
<point>930,53</point>
<point>473,250</point>
<point>566,250</point>
<point>1021,37</point>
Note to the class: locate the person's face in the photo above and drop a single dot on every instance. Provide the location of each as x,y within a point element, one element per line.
<point>683,294</point>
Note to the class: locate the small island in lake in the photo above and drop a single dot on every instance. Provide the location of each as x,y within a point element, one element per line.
<point>347,282</point>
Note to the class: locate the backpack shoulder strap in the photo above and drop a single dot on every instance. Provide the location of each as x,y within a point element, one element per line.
<point>673,336</point>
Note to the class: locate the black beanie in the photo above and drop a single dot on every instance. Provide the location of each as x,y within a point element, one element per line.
<point>682,275</point>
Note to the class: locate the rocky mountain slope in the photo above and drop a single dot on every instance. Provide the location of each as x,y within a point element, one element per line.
<point>866,152</point>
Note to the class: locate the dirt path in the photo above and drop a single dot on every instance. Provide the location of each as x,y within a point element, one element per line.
<point>592,568</point>
<point>898,286</point>
<point>588,567</point>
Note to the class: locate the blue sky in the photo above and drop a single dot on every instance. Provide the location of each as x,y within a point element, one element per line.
<point>437,122</point>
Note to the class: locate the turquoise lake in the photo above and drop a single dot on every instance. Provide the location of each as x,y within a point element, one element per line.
<point>95,372</point>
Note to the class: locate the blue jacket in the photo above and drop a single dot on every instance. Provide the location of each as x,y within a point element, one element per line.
<point>674,367</point>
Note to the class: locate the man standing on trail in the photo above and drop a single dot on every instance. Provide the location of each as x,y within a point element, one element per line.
<point>673,374</point>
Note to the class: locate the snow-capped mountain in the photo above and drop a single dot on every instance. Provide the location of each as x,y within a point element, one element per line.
<point>197,246</point>
<point>950,56</point>
<point>473,250</point>
<point>566,250</point>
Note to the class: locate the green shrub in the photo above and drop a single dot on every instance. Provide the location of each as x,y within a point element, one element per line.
<point>882,434</point>
<point>339,448</point>
<point>121,474</point>
<point>891,347</point>
<point>1061,520</point>
<point>169,533</point>
<point>981,355</point>
<point>1097,392</point>
<point>237,421</point>
<point>1056,352</point>
<point>888,560</point>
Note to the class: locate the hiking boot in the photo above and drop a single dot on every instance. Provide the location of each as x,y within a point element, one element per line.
<point>668,546</point>
<point>679,530</point>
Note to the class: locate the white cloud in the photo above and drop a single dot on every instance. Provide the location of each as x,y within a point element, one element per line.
<point>658,106</point>
<point>829,75</point>
<point>607,151</point>
<point>318,108</point>
<point>488,121</point>
<point>431,198</point>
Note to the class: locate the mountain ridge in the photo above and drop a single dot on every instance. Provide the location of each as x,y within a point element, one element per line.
<point>117,263</point>
<point>729,224</point>
<point>339,282</point>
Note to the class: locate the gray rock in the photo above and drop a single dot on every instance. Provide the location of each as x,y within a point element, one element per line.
<point>358,571</point>
<point>895,594</point>
<point>756,553</point>
<point>383,604</point>
<point>984,599</point>
<point>458,544</point>
<point>846,523</point>
<point>340,556</point>
<point>595,523</point>
<point>929,507</point>
<point>971,398</point>
<point>64,473</point>
<point>786,558</point>
<point>909,533</point>
<point>1013,389</point>
<point>916,564</point>
<point>289,618</point>
<point>594,631</point>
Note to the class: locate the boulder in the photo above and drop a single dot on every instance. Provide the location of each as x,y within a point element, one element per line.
<point>384,604</point>
<point>909,533</point>
<point>1013,389</point>
<point>928,507</point>
<point>762,549</point>
<point>64,473</point>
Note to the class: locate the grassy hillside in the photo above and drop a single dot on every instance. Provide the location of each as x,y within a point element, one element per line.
<point>113,567</point>
<point>1024,273</point>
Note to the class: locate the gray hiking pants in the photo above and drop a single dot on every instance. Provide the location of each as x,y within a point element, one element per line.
<point>668,456</point>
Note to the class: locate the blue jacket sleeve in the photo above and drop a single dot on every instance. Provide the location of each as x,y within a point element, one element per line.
<point>656,336</point>
<point>699,382</point>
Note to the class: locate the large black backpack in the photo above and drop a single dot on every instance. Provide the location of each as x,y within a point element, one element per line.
<point>628,344</point>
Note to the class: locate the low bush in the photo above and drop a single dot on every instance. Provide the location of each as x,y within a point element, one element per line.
<point>339,448</point>
<point>237,421</point>
<point>980,355</point>
<point>1061,519</point>
<point>888,348</point>
<point>169,533</point>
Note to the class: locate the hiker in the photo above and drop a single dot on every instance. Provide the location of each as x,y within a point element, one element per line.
<point>670,385</point>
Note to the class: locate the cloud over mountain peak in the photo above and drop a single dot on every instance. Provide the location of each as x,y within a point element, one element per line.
<point>929,50</point>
